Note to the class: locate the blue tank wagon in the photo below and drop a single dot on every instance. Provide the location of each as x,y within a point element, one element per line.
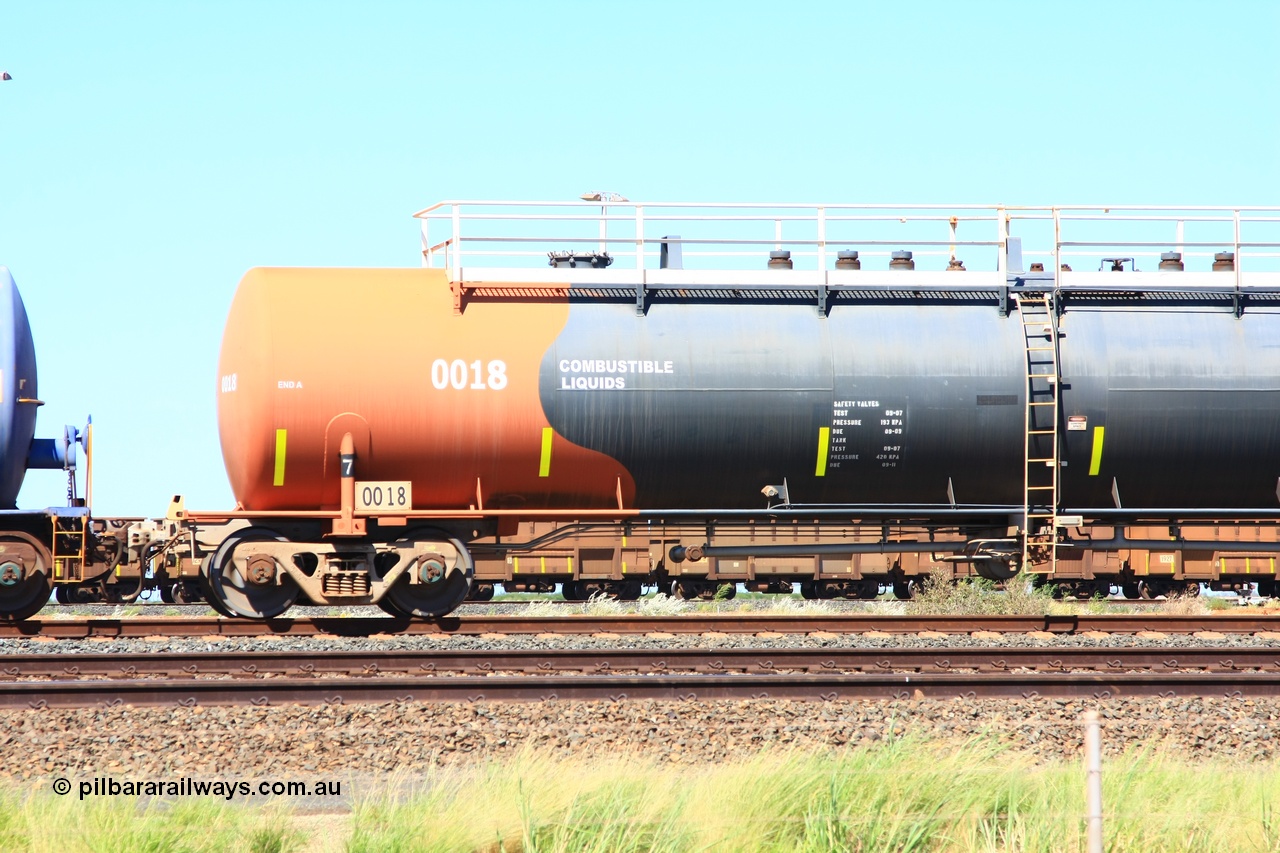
<point>41,547</point>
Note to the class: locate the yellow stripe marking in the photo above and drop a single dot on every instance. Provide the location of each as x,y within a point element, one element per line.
<point>824,440</point>
<point>282,438</point>
<point>544,564</point>
<point>1096,461</point>
<point>515,565</point>
<point>544,467</point>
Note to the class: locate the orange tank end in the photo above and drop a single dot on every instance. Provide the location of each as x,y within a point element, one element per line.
<point>449,402</point>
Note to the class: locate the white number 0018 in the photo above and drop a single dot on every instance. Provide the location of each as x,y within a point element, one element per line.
<point>477,375</point>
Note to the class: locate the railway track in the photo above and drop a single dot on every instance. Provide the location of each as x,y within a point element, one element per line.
<point>104,680</point>
<point>640,661</point>
<point>695,623</point>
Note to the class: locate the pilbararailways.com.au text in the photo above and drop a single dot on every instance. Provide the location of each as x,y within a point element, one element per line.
<point>109,786</point>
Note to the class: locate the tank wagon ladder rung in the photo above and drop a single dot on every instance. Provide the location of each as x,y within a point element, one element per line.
<point>1041,451</point>
<point>70,534</point>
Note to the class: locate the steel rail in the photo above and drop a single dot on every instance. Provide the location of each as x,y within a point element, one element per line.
<point>695,623</point>
<point>39,695</point>
<point>274,663</point>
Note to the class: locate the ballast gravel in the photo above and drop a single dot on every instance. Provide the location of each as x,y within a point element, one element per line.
<point>370,741</point>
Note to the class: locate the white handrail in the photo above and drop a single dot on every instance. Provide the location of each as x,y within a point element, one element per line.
<point>708,230</point>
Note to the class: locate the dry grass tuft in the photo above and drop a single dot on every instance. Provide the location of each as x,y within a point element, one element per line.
<point>1180,604</point>
<point>978,597</point>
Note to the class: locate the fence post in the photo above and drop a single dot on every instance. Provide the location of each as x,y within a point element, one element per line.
<point>1093,780</point>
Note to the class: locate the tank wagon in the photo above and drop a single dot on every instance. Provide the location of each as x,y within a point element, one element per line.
<point>728,406</point>
<point>84,557</point>
<point>779,395</point>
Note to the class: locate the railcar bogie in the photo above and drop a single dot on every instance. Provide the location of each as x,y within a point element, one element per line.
<point>26,566</point>
<point>259,572</point>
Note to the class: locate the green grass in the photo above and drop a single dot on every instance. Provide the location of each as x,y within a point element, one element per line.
<point>900,795</point>
<point>977,597</point>
<point>46,823</point>
<point>964,597</point>
<point>665,605</point>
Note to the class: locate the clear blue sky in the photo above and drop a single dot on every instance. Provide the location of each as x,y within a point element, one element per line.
<point>154,152</point>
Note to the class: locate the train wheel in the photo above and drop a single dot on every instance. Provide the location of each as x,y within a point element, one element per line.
<point>442,587</point>
<point>185,592</point>
<point>24,576</point>
<point>87,594</point>
<point>1130,590</point>
<point>1191,589</point>
<point>231,584</point>
<point>809,590</point>
<point>607,590</point>
<point>631,590</point>
<point>688,590</point>
<point>908,589</point>
<point>1267,588</point>
<point>831,589</point>
<point>115,593</point>
<point>392,609</point>
<point>480,592</point>
<point>572,591</point>
<point>206,589</point>
<point>865,590</point>
<point>166,593</point>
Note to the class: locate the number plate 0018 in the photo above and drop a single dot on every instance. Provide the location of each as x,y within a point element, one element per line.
<point>384,495</point>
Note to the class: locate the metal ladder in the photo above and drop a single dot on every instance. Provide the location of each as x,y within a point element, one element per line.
<point>69,540</point>
<point>1041,459</point>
